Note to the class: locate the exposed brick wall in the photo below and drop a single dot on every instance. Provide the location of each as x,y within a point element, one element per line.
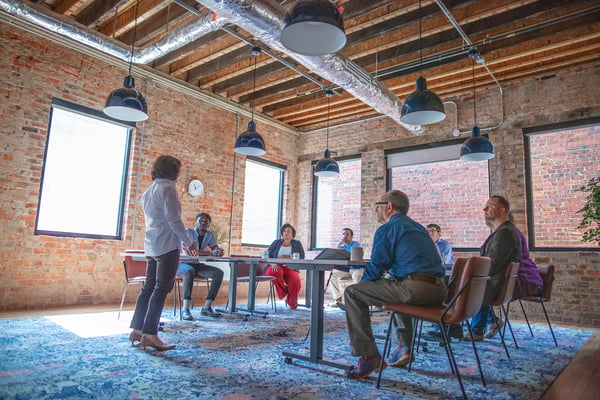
<point>527,103</point>
<point>38,271</point>
<point>42,271</point>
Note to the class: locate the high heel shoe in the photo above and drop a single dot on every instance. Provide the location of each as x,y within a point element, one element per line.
<point>135,336</point>
<point>154,341</point>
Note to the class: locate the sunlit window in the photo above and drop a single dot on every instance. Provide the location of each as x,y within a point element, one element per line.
<point>336,205</point>
<point>560,161</point>
<point>84,176</point>
<point>263,198</point>
<point>444,190</point>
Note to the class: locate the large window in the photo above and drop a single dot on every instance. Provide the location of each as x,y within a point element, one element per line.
<point>443,190</point>
<point>263,198</point>
<point>336,205</point>
<point>560,160</point>
<point>85,173</point>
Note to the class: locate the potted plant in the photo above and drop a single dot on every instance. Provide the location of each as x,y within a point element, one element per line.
<point>219,233</point>
<point>590,212</point>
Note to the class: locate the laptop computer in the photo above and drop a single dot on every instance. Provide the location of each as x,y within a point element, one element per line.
<point>333,254</point>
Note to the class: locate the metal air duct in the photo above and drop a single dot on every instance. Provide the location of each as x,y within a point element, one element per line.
<point>175,39</point>
<point>264,19</point>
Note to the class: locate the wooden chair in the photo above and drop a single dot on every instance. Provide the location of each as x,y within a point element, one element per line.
<point>464,304</point>
<point>134,265</point>
<point>502,301</point>
<point>544,295</point>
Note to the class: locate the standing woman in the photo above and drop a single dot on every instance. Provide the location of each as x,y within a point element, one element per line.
<point>165,232</point>
<point>287,281</point>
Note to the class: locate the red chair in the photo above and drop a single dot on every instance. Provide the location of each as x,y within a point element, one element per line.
<point>464,304</point>
<point>134,265</point>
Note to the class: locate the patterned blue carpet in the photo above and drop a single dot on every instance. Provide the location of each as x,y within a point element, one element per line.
<point>87,356</point>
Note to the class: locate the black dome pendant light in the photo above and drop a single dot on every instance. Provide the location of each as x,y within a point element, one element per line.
<point>327,166</point>
<point>422,107</point>
<point>477,147</point>
<point>127,103</point>
<point>251,142</point>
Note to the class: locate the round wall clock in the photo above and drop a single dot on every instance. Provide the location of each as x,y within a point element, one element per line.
<point>196,188</point>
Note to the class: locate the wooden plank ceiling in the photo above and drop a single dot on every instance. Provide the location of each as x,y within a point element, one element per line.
<point>517,38</point>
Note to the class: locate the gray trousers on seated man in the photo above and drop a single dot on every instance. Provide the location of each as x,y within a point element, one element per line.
<point>189,271</point>
<point>359,297</point>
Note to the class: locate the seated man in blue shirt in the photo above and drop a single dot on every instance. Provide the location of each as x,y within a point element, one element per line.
<point>354,272</point>
<point>207,245</point>
<point>415,275</point>
<point>444,246</point>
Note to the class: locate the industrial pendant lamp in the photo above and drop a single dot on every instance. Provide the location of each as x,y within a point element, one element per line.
<point>127,103</point>
<point>250,142</point>
<point>422,107</point>
<point>314,28</point>
<point>327,166</point>
<point>477,147</point>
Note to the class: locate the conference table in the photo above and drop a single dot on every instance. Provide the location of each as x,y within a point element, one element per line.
<point>233,261</point>
<point>315,295</point>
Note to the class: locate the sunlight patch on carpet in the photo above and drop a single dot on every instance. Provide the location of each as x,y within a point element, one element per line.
<point>94,324</point>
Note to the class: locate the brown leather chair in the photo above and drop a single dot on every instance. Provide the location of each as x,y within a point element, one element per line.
<point>502,301</point>
<point>544,295</point>
<point>467,288</point>
<point>134,265</point>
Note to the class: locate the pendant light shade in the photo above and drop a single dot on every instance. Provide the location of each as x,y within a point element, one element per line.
<point>250,142</point>
<point>477,147</point>
<point>327,166</point>
<point>422,107</point>
<point>126,103</point>
<point>314,28</point>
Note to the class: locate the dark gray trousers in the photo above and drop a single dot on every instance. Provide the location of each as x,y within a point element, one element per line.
<point>160,278</point>
<point>359,297</point>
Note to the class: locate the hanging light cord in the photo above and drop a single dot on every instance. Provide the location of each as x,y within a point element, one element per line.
<point>420,40</point>
<point>474,105</point>
<point>135,14</point>
<point>327,129</point>
<point>253,89</point>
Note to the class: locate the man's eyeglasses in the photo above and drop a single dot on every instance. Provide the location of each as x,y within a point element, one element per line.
<point>378,203</point>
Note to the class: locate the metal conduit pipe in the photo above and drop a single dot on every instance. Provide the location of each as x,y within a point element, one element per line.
<point>479,60</point>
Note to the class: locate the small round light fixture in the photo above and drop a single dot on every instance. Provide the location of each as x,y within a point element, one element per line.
<point>477,147</point>
<point>250,142</point>
<point>327,166</point>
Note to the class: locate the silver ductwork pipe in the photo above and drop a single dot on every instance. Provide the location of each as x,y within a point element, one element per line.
<point>264,19</point>
<point>174,40</point>
<point>178,38</point>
